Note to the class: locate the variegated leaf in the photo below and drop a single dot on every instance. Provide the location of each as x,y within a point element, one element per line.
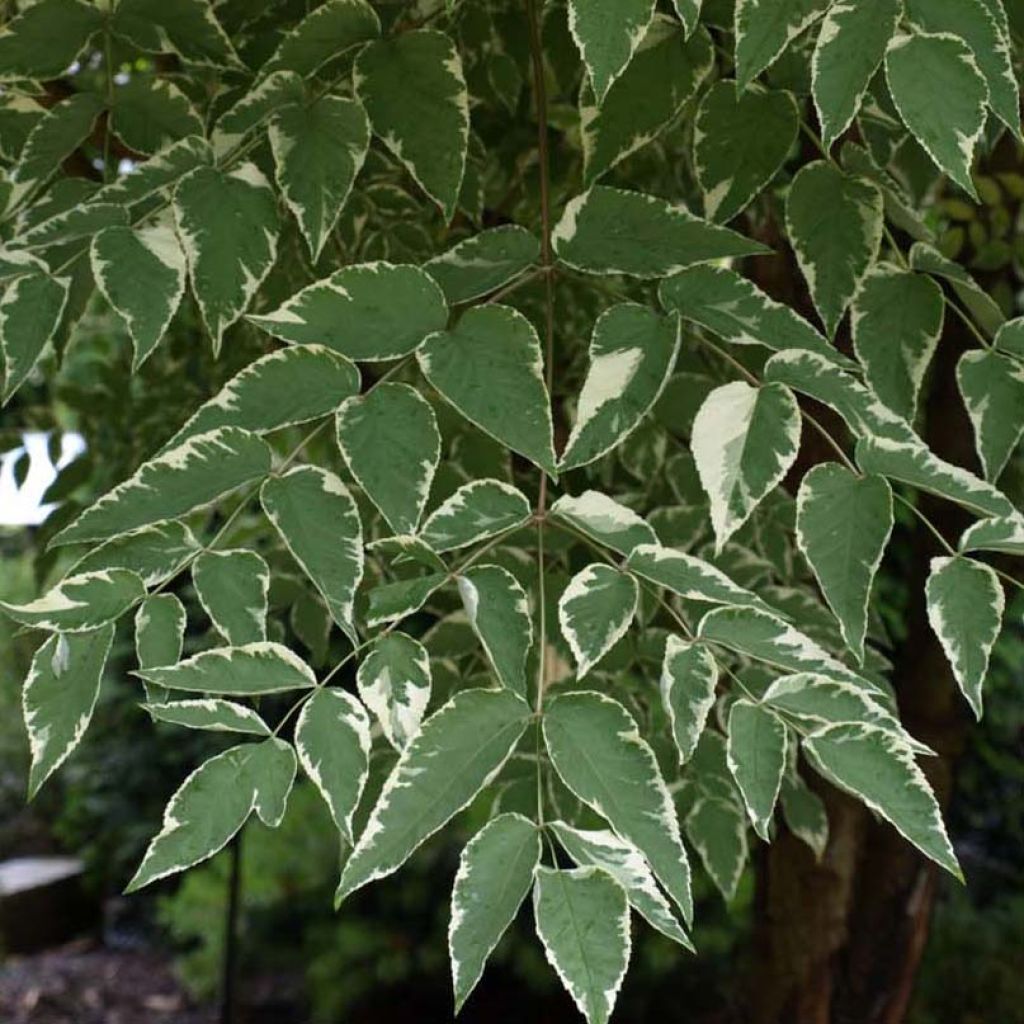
<point>495,875</point>
<point>332,739</point>
<point>317,519</point>
<point>632,352</point>
<point>189,476</point>
<point>604,520</point>
<point>594,612</point>
<point>30,314</point>
<point>212,714</point>
<point>457,752</point>
<point>476,511</point>
<point>59,696</point>
<point>877,768</point>
<point>80,604</point>
<point>582,918</point>
<point>232,587</point>
<point>398,420</point>
<point>141,273</point>
<point>483,262</point>
<point>834,223</point>
<point>490,368</point>
<point>599,754</point>
<point>744,441</point>
<point>764,28</point>
<point>607,35</point>
<point>250,670</point>
<point>499,612</point>
<point>214,802</point>
<point>965,609</point>
<point>394,681</point>
<point>689,677</point>
<point>757,756</point>
<point>992,387</point>
<point>368,312</point>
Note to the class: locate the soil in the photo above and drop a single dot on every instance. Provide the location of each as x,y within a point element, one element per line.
<point>86,983</point>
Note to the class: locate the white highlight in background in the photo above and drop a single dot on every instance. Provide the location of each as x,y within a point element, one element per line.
<point>24,507</point>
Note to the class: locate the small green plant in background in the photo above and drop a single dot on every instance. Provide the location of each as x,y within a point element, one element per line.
<point>466,458</point>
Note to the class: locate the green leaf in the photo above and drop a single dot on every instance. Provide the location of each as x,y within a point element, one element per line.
<point>55,137</point>
<point>317,519</point>
<point>607,35</point>
<point>757,755</point>
<point>604,520</point>
<point>941,95</point>
<point>804,813</point>
<point>188,28</point>
<point>457,752</point>
<point>214,802</point>
<point>717,830</point>
<point>232,587</point>
<point>911,462</point>
<point>877,768</point>
<point>601,848</point>
<point>159,635</point>
<point>148,113</point>
<point>688,12</point>
<point>495,874</point>
<point>965,610</point>
<point>737,311</point>
<point>228,224</point>
<point>393,601</point>
<point>212,714</point>
<point>1005,534</point>
<point>161,170</point>
<point>45,38</point>
<point>599,754</point>
<point>391,444</point>
<point>980,304</point>
<point>476,511</point>
<point>851,46</point>
<point>974,23</point>
<point>992,387</point>
<point>31,311</point>
<point>318,148</point>
<point>663,75</point>
<point>843,523</point>
<point>689,676</point>
<point>499,612</point>
<point>59,696</point>
<point>394,682</point>
<point>141,273</point>
<point>490,367</point>
<point>582,921</point>
<point>483,262</point>
<point>740,141</point>
<point>249,670</point>
<point>1010,337</point>
<point>814,701</point>
<point>326,32</point>
<point>371,312</point>
<point>250,114</point>
<point>835,227</point>
<point>612,231</point>
<point>764,28</point>
<point>896,321</point>
<point>767,638</point>
<point>689,577</point>
<point>425,127</point>
<point>332,739</point>
<point>632,353</point>
<point>187,477</point>
<point>80,604</point>
<point>744,441</point>
<point>594,612</point>
<point>282,389</point>
<point>822,380</point>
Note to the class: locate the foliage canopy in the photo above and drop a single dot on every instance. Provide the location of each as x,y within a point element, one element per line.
<point>610,590</point>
